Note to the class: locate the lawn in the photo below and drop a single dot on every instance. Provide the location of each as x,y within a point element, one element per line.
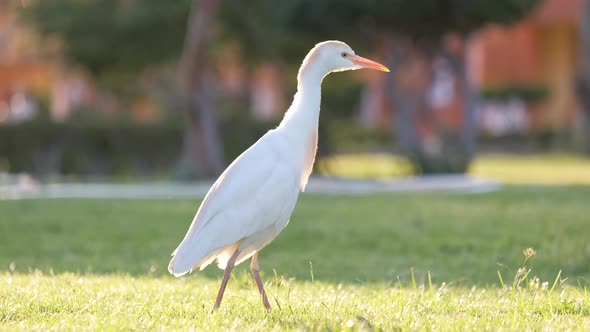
<point>390,262</point>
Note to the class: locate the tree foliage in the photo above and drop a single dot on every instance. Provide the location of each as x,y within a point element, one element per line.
<point>293,25</point>
<point>113,39</point>
<point>418,18</point>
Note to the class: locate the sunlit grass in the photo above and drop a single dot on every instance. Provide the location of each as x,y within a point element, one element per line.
<point>536,169</point>
<point>71,302</point>
<point>376,165</point>
<point>510,169</point>
<point>388,262</point>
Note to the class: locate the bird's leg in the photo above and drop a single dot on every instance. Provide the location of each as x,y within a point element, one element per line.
<point>255,271</point>
<point>226,274</point>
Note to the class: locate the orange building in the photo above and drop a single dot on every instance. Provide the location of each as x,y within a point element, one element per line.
<point>541,50</point>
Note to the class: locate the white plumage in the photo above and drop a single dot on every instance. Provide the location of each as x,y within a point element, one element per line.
<point>252,201</point>
<point>247,207</point>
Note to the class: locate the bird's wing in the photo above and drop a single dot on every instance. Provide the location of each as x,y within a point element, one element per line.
<point>247,198</point>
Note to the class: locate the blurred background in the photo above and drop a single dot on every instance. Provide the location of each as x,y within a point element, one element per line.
<point>148,90</point>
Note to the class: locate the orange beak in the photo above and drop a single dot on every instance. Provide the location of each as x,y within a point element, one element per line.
<point>366,63</point>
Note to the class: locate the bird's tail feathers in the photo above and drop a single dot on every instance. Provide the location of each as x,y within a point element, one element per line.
<point>176,268</point>
<point>183,261</point>
<point>186,258</point>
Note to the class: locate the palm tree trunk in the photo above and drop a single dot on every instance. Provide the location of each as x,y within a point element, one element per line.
<point>404,105</point>
<point>202,153</point>
<point>435,148</point>
<point>468,134</point>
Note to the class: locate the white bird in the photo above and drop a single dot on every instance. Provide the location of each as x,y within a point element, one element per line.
<point>252,201</point>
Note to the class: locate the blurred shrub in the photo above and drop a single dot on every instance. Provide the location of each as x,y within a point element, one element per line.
<point>346,135</point>
<point>84,149</point>
<point>526,92</point>
<point>92,145</point>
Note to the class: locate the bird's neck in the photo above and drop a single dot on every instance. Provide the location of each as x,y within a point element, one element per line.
<point>303,115</point>
<point>300,124</point>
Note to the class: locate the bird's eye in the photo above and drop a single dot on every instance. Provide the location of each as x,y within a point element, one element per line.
<point>343,54</point>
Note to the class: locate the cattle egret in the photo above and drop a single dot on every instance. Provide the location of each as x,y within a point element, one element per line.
<point>252,201</point>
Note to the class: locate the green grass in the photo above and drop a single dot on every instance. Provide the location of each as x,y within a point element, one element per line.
<point>419,261</point>
<point>511,169</point>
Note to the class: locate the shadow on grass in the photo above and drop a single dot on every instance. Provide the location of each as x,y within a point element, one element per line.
<point>464,239</point>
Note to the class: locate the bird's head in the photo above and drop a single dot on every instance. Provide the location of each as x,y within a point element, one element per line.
<point>332,56</point>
